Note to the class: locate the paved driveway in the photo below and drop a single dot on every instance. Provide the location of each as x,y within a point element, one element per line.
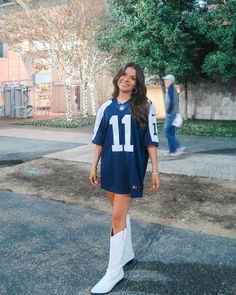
<point>51,248</point>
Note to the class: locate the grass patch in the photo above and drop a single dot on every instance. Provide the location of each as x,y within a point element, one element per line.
<point>61,122</point>
<point>205,128</point>
<point>190,127</point>
<point>208,128</point>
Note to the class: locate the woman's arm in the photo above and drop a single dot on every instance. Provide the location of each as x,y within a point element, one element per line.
<point>93,173</point>
<point>155,182</point>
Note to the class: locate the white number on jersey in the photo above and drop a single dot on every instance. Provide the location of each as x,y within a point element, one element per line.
<point>117,147</point>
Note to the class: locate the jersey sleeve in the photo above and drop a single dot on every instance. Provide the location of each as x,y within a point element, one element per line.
<point>100,125</point>
<point>151,135</point>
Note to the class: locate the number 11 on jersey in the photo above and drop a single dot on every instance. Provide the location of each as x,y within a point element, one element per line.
<point>117,147</point>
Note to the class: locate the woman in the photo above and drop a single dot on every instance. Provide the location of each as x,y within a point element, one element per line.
<point>125,135</point>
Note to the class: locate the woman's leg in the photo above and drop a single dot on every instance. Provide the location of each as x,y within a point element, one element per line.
<point>111,197</point>
<point>128,251</point>
<point>115,273</point>
<point>121,204</point>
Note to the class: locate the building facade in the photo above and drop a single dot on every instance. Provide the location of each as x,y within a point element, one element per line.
<point>46,91</point>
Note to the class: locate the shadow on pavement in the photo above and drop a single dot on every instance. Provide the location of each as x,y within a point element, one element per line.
<point>154,277</point>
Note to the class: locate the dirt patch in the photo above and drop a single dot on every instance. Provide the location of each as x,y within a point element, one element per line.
<point>196,203</point>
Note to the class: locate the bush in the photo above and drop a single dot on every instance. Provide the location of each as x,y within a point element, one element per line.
<point>205,128</point>
<point>62,122</point>
<point>190,127</point>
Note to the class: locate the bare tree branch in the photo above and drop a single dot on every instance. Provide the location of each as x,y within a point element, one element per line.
<point>61,37</point>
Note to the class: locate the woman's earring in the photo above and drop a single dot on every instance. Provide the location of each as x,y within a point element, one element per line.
<point>135,91</point>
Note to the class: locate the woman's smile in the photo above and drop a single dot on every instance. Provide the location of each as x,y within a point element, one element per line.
<point>124,84</point>
<point>127,81</point>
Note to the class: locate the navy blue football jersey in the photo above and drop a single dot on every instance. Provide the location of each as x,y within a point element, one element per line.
<point>124,155</point>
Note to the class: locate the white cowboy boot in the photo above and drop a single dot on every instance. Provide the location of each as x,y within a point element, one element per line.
<point>128,251</point>
<point>114,272</point>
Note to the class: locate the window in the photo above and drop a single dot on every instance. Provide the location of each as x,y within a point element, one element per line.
<point>3,50</point>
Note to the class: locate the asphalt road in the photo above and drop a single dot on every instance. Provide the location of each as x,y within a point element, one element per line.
<point>51,248</point>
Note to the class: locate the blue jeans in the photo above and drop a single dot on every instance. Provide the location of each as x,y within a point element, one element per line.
<point>173,143</point>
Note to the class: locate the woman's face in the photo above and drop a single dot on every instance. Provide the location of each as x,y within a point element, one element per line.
<point>127,81</point>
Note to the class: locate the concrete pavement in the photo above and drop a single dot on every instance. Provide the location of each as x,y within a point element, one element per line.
<point>213,157</point>
<point>49,248</point>
<point>25,149</point>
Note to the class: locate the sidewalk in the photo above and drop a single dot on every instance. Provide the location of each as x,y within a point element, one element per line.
<point>213,157</point>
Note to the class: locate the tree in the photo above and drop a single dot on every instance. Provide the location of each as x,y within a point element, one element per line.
<point>219,27</point>
<point>190,39</point>
<point>180,37</point>
<point>62,37</point>
<point>91,66</point>
<point>160,35</point>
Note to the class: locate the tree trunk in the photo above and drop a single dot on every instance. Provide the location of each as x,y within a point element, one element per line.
<point>67,88</point>
<point>186,98</point>
<point>85,99</point>
<point>92,97</point>
<point>163,89</point>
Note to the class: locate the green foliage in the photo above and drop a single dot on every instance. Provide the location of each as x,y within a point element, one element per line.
<point>221,128</point>
<point>172,37</point>
<point>208,128</point>
<point>219,26</point>
<point>61,122</point>
<point>152,33</point>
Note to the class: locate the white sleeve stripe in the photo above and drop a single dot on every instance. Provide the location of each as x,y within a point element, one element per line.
<point>151,121</point>
<point>100,115</point>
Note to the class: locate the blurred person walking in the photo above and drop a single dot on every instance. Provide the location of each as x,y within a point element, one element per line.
<point>172,114</point>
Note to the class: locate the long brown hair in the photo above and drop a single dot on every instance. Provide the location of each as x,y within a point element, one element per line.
<point>139,101</point>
